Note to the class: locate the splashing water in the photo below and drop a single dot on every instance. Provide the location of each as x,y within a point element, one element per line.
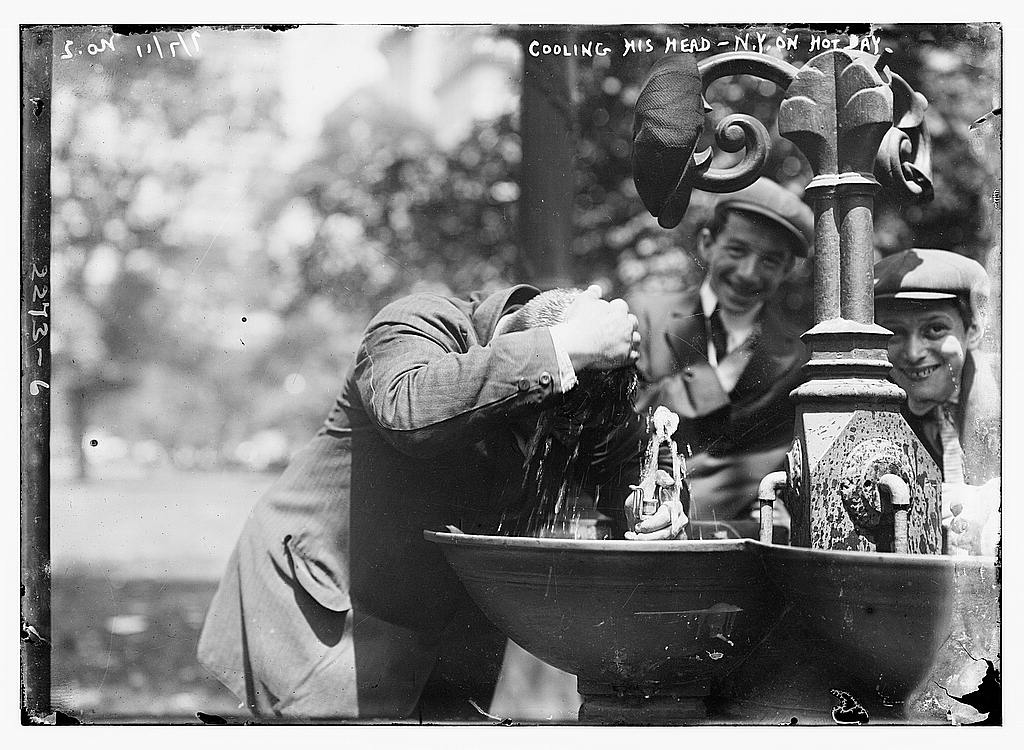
<point>557,461</point>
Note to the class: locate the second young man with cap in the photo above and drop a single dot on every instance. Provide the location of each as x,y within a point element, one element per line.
<point>718,354</point>
<point>934,303</point>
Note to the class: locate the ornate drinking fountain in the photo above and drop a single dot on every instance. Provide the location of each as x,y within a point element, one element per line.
<point>855,610</point>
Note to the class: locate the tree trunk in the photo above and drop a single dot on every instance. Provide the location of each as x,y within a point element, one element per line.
<point>547,130</point>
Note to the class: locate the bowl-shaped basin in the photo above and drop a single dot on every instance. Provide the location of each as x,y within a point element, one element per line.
<point>628,615</point>
<point>883,617</point>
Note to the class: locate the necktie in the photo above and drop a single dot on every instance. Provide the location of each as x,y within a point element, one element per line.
<point>952,454</point>
<point>719,338</point>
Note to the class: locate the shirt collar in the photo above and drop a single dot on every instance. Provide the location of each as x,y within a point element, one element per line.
<point>732,321</point>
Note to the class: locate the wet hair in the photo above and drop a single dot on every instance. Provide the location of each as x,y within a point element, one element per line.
<point>568,434</point>
<point>603,396</point>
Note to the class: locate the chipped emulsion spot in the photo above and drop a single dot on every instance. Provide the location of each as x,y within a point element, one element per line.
<point>504,721</point>
<point>29,633</point>
<point>619,660</point>
<point>986,699</point>
<point>848,710</point>
<point>210,718</point>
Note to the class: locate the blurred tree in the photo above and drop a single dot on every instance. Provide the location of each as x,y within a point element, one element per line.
<point>380,210</point>
<point>227,287</point>
<point>393,212</point>
<point>143,187</point>
<point>957,67</point>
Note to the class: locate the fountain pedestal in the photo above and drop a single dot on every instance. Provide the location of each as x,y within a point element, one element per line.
<point>849,433</point>
<point>604,705</point>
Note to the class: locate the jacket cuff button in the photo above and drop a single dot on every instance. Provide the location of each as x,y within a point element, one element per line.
<point>524,384</point>
<point>545,378</point>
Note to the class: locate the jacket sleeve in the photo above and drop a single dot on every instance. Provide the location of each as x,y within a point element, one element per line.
<point>429,386</point>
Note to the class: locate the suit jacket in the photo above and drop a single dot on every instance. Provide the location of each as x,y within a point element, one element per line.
<point>755,416</point>
<point>420,437</point>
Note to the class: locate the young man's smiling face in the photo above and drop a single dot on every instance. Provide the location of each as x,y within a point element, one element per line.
<point>747,260</point>
<point>927,350</point>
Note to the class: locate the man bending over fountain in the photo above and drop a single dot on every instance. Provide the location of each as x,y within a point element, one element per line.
<point>333,604</point>
<point>934,302</point>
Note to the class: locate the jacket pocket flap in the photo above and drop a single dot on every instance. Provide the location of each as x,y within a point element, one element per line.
<point>316,579</point>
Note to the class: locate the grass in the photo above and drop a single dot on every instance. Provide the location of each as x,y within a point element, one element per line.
<point>135,564</point>
<point>125,649</point>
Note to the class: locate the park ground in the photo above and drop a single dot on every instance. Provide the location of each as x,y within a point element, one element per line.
<point>135,563</point>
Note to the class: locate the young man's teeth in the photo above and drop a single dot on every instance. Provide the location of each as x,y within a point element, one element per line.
<point>922,373</point>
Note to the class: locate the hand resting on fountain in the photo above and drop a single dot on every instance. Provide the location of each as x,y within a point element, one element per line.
<point>970,514</point>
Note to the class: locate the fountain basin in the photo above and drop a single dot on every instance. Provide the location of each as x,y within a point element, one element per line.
<point>645,617</point>
<point>768,632</point>
<point>876,626</point>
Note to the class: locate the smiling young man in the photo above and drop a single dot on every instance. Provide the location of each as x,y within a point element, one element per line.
<point>934,302</point>
<point>718,354</point>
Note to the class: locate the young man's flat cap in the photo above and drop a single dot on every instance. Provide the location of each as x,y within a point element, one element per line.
<point>930,275</point>
<point>771,200</point>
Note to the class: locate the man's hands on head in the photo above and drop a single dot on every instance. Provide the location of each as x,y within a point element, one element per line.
<point>597,334</point>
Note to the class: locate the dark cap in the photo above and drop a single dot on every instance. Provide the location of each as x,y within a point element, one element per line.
<point>931,275</point>
<point>667,124</point>
<point>784,207</point>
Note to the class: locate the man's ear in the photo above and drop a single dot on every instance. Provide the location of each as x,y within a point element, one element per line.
<point>704,242</point>
<point>502,326</point>
<point>974,333</point>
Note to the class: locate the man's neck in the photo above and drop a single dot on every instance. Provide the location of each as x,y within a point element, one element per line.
<point>733,321</point>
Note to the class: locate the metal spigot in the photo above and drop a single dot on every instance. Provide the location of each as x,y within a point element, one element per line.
<point>899,498</point>
<point>651,493</point>
<point>768,492</point>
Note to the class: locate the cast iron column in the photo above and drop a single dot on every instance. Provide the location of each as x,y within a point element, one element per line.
<point>853,119</point>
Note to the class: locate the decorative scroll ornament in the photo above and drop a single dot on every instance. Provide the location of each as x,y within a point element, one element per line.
<point>836,111</point>
<point>844,109</point>
<point>903,164</point>
<point>737,132</point>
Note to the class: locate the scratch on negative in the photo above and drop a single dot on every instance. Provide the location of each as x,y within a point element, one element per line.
<point>398,263</point>
<point>630,596</point>
<point>213,239</point>
<point>499,719</point>
<point>110,641</point>
<point>547,587</point>
<point>681,340</point>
